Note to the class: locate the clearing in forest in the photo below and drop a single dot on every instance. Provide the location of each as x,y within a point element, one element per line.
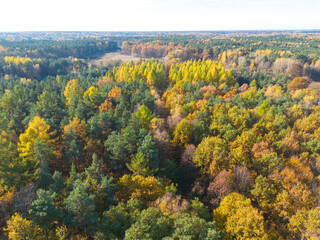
<point>113,57</point>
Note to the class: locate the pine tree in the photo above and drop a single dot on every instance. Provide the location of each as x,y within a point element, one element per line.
<point>79,207</point>
<point>149,151</point>
<point>42,155</point>
<point>9,161</point>
<point>151,224</point>
<point>74,151</point>
<point>73,177</point>
<point>145,116</point>
<point>94,172</point>
<point>101,185</point>
<point>57,184</point>
<point>72,110</point>
<point>139,165</point>
<point>80,111</point>
<point>117,151</point>
<point>43,211</point>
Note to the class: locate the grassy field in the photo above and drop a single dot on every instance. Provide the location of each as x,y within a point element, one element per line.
<point>113,57</point>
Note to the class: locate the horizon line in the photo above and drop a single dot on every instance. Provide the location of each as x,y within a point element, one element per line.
<point>155,31</point>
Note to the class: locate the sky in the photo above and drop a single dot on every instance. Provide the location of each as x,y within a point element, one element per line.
<point>158,15</point>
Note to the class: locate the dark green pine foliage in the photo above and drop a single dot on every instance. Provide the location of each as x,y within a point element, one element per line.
<point>102,124</point>
<point>74,150</point>
<point>73,177</point>
<point>9,168</point>
<point>50,107</point>
<point>80,111</point>
<point>142,134</point>
<point>95,171</point>
<point>43,155</point>
<point>170,170</point>
<point>118,219</point>
<point>116,151</point>
<point>186,226</point>
<point>16,107</point>
<point>101,185</point>
<point>121,147</point>
<point>125,117</point>
<point>72,109</point>
<point>130,138</point>
<point>79,207</point>
<point>120,108</point>
<point>135,122</point>
<point>151,224</point>
<point>199,132</point>
<point>150,152</point>
<point>57,184</point>
<point>43,211</point>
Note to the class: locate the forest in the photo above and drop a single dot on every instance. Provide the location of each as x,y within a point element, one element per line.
<point>216,137</point>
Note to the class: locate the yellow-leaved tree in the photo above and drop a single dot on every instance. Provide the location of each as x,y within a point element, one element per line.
<point>182,134</point>
<point>106,106</point>
<point>78,126</point>
<point>114,93</point>
<point>38,128</point>
<point>146,189</point>
<point>71,89</point>
<point>92,97</point>
<point>19,228</point>
<point>239,219</point>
